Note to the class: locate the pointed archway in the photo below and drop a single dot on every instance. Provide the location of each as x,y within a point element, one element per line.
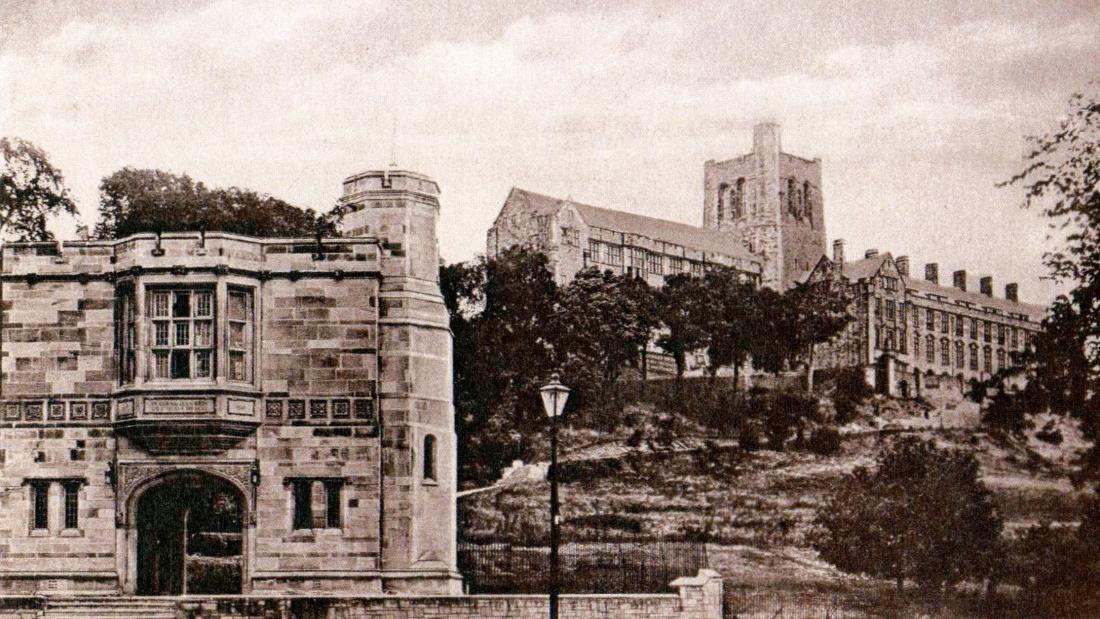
<point>190,535</point>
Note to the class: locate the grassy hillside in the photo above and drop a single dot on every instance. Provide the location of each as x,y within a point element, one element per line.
<point>667,476</point>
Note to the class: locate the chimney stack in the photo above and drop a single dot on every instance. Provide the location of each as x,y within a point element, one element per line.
<point>1012,292</point>
<point>986,284</point>
<point>870,253</point>
<point>838,251</point>
<point>960,280</point>
<point>932,272</point>
<point>902,263</point>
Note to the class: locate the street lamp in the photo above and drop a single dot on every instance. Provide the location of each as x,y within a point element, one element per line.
<point>554,394</point>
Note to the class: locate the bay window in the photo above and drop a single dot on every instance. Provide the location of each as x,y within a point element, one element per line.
<point>182,333</point>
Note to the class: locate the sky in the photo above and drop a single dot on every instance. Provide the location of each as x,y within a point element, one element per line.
<point>916,113</point>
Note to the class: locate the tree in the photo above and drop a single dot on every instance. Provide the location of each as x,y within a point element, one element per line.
<point>772,344</point>
<point>133,201</point>
<point>733,322</point>
<point>682,306</point>
<point>1061,178</point>
<point>31,192</point>
<point>603,325</point>
<point>922,514</point>
<point>501,313</point>
<point>817,311</point>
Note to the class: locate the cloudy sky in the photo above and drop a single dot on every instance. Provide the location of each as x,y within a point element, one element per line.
<point>916,114</point>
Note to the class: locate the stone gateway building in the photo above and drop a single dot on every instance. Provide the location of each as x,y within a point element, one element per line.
<point>211,413</point>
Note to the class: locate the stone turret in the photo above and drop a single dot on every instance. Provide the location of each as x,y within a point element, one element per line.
<point>415,388</point>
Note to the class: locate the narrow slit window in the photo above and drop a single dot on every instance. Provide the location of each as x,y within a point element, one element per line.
<point>72,505</point>
<point>429,458</point>
<point>332,504</point>
<point>303,508</point>
<point>40,505</point>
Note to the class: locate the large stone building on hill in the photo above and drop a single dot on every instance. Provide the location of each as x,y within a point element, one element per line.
<point>211,413</point>
<point>763,213</point>
<point>910,332</point>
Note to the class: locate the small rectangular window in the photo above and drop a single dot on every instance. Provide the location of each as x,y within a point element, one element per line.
<point>181,364</point>
<point>181,305</point>
<point>40,504</point>
<point>332,503</point>
<point>72,505</point>
<point>303,507</point>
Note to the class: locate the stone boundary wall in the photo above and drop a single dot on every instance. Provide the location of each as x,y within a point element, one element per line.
<point>698,597</point>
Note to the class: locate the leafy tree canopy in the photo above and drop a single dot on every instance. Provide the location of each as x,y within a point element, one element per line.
<point>31,191</point>
<point>133,201</point>
<point>682,309</point>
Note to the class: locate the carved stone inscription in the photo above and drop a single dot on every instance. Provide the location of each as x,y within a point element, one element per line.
<point>180,406</point>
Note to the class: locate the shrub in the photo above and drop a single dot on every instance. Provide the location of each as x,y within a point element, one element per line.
<point>922,514</point>
<point>825,441</point>
<point>1050,434</point>
<point>1006,412</point>
<point>784,412</point>
<point>748,438</point>
<point>718,461</point>
<point>851,390</point>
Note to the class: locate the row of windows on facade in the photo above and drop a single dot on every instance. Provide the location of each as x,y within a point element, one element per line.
<point>890,340</point>
<point>948,323</point>
<point>642,261</point>
<point>302,492</point>
<point>731,199</point>
<point>184,334</point>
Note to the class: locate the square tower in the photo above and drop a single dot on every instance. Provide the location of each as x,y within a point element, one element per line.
<point>772,202</point>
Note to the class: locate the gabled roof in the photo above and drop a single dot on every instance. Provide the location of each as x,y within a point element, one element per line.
<point>862,269</point>
<point>693,237</point>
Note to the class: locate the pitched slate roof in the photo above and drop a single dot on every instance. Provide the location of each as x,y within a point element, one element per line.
<point>1036,312</point>
<point>862,269</point>
<point>867,267</point>
<point>659,229</point>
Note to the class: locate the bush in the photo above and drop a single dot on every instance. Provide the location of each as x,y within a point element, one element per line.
<point>1050,434</point>
<point>718,461</point>
<point>922,515</point>
<point>748,438</point>
<point>1006,412</point>
<point>851,390</point>
<point>784,412</point>
<point>825,441</point>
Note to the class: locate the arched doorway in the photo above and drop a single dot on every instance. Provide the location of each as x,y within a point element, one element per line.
<point>189,536</point>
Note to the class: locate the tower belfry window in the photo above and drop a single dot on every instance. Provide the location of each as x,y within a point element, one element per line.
<point>738,201</point>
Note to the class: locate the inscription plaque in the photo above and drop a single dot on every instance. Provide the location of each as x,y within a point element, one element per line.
<point>182,406</point>
<point>245,408</point>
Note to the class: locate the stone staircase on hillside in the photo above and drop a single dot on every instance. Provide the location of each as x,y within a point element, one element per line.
<point>110,607</point>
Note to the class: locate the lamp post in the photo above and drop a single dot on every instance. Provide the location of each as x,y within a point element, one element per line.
<point>554,394</point>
